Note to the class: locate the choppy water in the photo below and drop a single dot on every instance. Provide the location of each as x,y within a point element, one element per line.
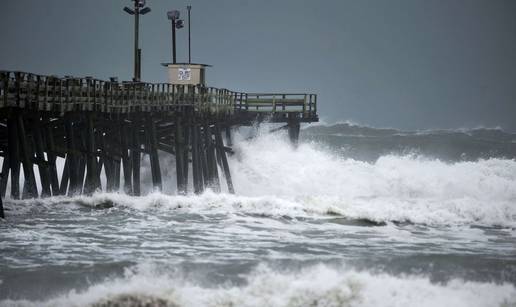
<point>322,225</point>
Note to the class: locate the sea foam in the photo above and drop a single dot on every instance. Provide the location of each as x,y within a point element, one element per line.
<point>318,285</point>
<point>274,179</point>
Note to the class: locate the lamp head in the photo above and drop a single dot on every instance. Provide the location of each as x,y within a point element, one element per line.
<point>173,15</point>
<point>128,11</point>
<point>139,3</point>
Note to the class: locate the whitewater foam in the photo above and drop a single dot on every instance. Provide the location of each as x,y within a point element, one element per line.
<point>394,188</point>
<point>318,285</point>
<point>287,215</point>
<point>273,179</point>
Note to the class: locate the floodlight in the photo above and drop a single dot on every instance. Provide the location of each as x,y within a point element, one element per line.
<point>174,14</point>
<point>139,9</point>
<point>128,10</point>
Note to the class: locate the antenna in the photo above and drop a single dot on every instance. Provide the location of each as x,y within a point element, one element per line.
<point>189,7</point>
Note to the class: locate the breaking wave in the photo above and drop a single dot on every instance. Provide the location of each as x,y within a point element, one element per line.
<point>369,144</point>
<point>319,285</point>
<point>272,261</point>
<point>273,179</point>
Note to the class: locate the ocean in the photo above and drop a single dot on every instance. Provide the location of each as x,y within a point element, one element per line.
<point>354,216</point>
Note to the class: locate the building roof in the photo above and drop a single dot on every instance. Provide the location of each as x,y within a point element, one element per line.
<point>203,65</point>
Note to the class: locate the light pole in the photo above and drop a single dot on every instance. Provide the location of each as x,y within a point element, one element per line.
<point>189,8</point>
<point>176,24</point>
<point>139,9</point>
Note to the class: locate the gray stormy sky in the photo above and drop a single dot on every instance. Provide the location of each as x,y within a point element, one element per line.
<point>410,64</point>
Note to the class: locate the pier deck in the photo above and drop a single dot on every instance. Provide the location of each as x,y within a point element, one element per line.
<point>100,125</point>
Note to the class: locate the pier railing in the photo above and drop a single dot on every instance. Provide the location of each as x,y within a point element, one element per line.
<point>61,95</point>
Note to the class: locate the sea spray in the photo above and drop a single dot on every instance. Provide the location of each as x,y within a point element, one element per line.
<point>306,227</point>
<point>319,285</point>
<point>273,179</point>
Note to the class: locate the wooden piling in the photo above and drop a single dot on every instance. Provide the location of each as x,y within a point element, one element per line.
<point>14,156</point>
<point>40,158</point>
<point>125,137</point>
<point>92,176</point>
<point>152,150</point>
<point>196,160</point>
<point>186,156</point>
<point>106,161</point>
<point>136,155</point>
<point>65,177</point>
<point>51,158</point>
<point>116,158</point>
<point>213,174</point>
<point>2,215</point>
<point>80,174</point>
<point>116,170</point>
<point>204,159</point>
<point>180,163</point>
<point>293,128</point>
<point>221,152</point>
<point>4,175</point>
<point>3,184</point>
<point>229,139</point>
<point>29,189</point>
<point>72,158</point>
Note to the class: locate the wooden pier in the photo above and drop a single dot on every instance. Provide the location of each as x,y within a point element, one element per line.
<point>107,126</point>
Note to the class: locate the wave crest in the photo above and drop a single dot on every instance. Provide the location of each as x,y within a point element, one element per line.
<point>318,285</point>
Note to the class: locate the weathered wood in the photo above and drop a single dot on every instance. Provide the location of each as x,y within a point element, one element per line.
<point>125,136</point>
<point>65,176</point>
<point>186,158</point>
<point>229,139</point>
<point>87,94</point>
<point>152,143</point>
<point>106,160</point>
<point>92,176</point>
<point>116,170</point>
<point>293,129</point>
<point>80,142</point>
<point>196,160</point>
<point>213,174</point>
<point>4,176</point>
<point>40,156</point>
<point>180,163</point>
<point>71,159</point>
<point>2,214</point>
<point>30,189</point>
<point>80,174</point>
<point>95,124</point>
<point>51,157</point>
<point>136,156</point>
<point>14,156</point>
<point>204,159</point>
<point>222,154</point>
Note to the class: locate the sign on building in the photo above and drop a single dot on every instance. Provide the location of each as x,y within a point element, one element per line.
<point>184,74</point>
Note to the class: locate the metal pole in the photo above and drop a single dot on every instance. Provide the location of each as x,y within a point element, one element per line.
<point>189,37</point>
<point>174,41</point>
<point>136,27</point>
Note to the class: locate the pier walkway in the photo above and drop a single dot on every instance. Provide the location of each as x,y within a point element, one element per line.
<point>95,124</point>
